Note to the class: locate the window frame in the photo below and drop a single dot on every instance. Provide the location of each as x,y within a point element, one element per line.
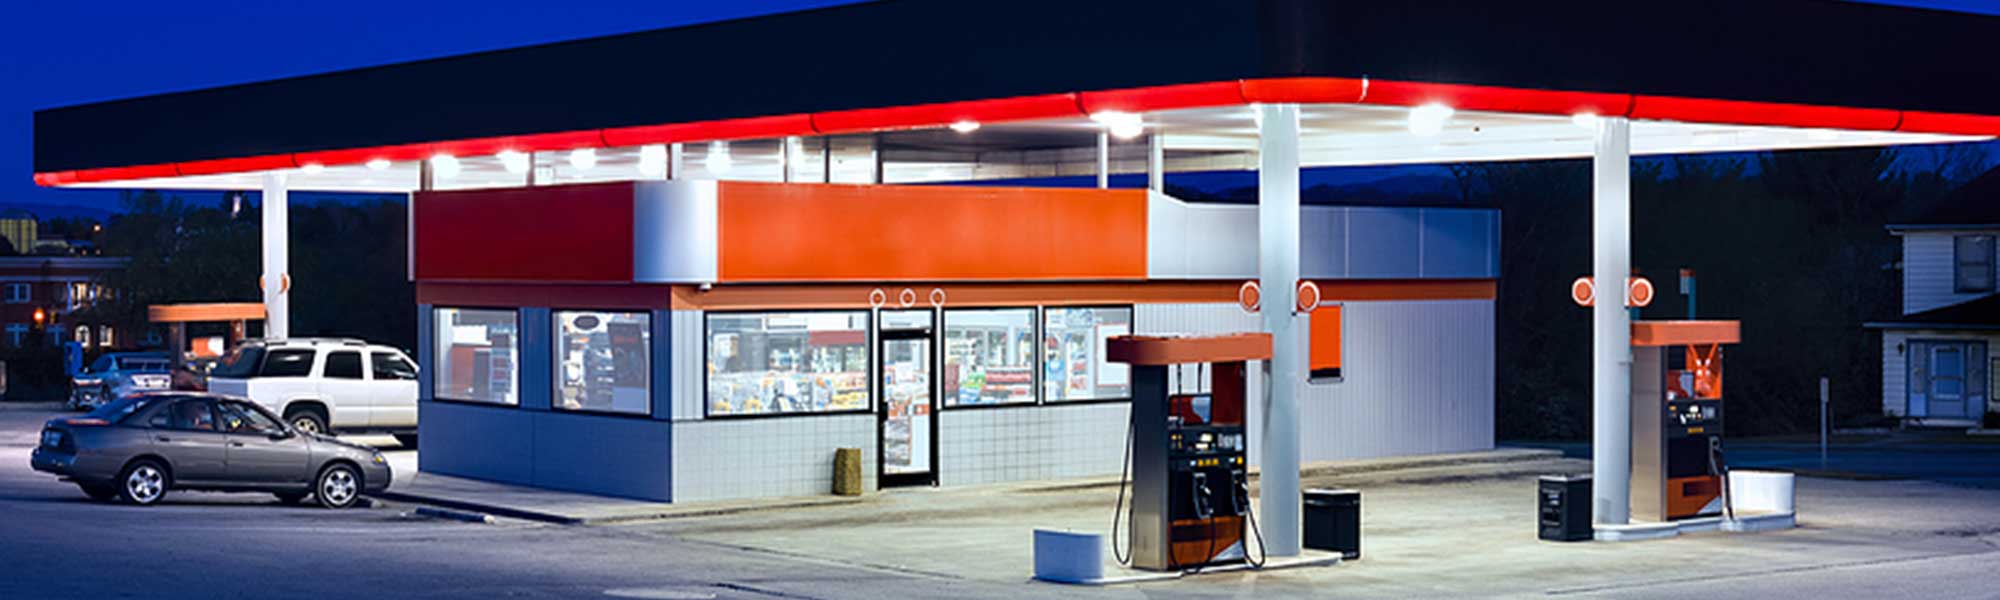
<point>555,371</point>
<point>416,373</point>
<point>1037,320</point>
<point>27,293</point>
<point>869,338</point>
<point>519,349</point>
<point>1041,327</point>
<point>1959,263</point>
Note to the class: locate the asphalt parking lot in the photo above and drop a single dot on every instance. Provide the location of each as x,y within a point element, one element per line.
<point>1450,531</point>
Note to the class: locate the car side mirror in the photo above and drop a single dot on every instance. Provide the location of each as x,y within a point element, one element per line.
<point>278,434</point>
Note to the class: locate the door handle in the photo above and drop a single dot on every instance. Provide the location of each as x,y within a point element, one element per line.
<point>236,444</point>
<point>163,438</point>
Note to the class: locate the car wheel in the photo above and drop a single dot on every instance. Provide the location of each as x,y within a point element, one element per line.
<point>307,420</point>
<point>100,493</point>
<point>339,486</point>
<point>406,440</point>
<point>144,483</point>
<point>291,497</point>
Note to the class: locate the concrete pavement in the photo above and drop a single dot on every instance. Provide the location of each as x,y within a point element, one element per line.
<point>1445,530</point>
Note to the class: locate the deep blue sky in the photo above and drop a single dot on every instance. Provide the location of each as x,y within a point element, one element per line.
<point>56,53</point>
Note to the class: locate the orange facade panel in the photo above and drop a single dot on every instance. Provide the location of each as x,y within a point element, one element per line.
<point>1681,333</point>
<point>776,232</point>
<point>1324,356</point>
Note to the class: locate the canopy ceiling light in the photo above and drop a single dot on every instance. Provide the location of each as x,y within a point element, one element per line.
<point>1430,119</point>
<point>653,160</point>
<point>515,162</point>
<point>378,164</point>
<point>1121,124</point>
<point>718,160</point>
<point>583,159</point>
<point>965,126</point>
<point>445,166</point>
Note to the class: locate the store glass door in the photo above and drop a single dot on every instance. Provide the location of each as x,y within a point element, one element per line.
<point>908,410</point>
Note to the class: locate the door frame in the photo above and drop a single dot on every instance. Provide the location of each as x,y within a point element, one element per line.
<point>1915,386</point>
<point>883,336</point>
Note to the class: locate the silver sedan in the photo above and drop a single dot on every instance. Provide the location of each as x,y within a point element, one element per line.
<point>138,448</point>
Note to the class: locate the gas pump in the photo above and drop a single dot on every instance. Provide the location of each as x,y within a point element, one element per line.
<point>1190,487</point>
<point>1678,471</point>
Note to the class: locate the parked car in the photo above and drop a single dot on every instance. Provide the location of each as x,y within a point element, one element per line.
<point>138,448</point>
<point>325,385</point>
<point>118,374</point>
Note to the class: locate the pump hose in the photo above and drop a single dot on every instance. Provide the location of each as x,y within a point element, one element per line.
<point>1254,530</point>
<point>1719,468</point>
<point>1117,514</point>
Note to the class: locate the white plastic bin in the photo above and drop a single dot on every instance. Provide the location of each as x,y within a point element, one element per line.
<point>1761,491</point>
<point>1068,557</point>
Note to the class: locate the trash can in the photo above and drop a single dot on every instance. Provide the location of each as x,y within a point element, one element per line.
<point>1333,522</point>
<point>847,472</point>
<point>1563,508</point>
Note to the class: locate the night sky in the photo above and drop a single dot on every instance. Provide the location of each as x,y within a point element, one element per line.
<point>60,53</point>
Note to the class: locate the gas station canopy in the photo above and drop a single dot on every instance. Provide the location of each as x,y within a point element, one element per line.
<point>1022,90</point>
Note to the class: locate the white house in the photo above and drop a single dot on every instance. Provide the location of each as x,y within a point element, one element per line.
<point>1937,362</point>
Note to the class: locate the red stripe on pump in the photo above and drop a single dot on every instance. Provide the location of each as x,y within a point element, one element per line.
<point>1734,112</point>
<point>1022,108</point>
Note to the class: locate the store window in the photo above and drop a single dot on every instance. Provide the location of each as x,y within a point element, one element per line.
<point>1073,364</point>
<point>476,353</point>
<point>1972,257</point>
<point>603,362</point>
<point>787,363</point>
<point>989,356</point>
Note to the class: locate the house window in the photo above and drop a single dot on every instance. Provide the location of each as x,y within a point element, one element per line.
<point>83,335</point>
<point>18,293</point>
<point>104,338</point>
<point>17,334</point>
<point>1972,262</point>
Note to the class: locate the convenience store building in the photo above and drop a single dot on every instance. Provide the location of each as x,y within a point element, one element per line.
<point>697,280</point>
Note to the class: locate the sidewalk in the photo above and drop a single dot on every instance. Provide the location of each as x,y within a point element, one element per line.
<point>568,508</point>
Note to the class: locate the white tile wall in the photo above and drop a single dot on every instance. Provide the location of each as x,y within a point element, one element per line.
<point>769,457</point>
<point>993,445</point>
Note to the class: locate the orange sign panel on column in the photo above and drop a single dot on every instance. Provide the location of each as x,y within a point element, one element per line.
<point>771,232</point>
<point>1324,362</point>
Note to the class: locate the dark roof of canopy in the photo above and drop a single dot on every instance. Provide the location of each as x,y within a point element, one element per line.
<point>905,52</point>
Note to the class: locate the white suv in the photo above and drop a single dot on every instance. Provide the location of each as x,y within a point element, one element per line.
<point>325,385</point>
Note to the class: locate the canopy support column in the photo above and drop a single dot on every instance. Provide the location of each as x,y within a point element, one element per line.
<point>1156,162</point>
<point>1103,159</point>
<point>1278,274</point>
<point>276,281</point>
<point>1611,325</point>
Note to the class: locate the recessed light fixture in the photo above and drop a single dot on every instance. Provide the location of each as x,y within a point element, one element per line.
<point>583,159</point>
<point>1586,120</point>
<point>965,126</point>
<point>1120,124</point>
<point>445,166</point>
<point>717,161</point>
<point>515,162</point>
<point>379,164</point>
<point>653,160</point>
<point>312,168</point>
<point>1430,119</point>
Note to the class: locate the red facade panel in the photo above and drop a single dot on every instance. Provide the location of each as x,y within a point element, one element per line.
<point>574,233</point>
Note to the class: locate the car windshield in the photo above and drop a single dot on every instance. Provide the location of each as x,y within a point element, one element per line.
<point>240,363</point>
<point>102,364</point>
<point>117,410</point>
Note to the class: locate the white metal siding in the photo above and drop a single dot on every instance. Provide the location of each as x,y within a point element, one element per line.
<point>1895,374</point>
<point>1928,271</point>
<point>1417,376</point>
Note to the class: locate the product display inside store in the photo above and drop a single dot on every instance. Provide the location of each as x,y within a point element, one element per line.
<point>476,355</point>
<point>989,356</point>
<point>777,363</point>
<point>1073,343</point>
<point>602,361</point>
